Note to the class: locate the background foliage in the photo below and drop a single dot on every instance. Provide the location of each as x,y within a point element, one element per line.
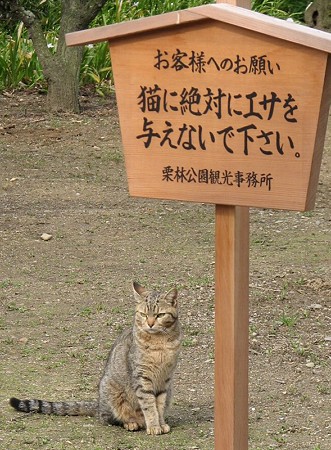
<point>19,65</point>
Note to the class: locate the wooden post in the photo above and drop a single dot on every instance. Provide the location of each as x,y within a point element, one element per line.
<point>231,320</point>
<point>231,327</point>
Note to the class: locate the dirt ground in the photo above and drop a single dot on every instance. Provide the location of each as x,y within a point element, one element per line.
<point>64,300</point>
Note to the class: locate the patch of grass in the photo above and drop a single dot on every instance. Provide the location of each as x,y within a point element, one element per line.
<point>81,357</point>
<point>119,328</point>
<point>18,426</point>
<point>252,328</point>
<point>284,291</point>
<point>86,312</point>
<point>324,388</point>
<point>194,332</point>
<point>306,314</point>
<point>7,283</point>
<point>4,284</point>
<point>116,310</point>
<point>265,296</point>
<point>188,342</point>
<point>279,438</point>
<point>200,281</point>
<point>115,155</point>
<point>14,307</point>
<point>288,320</point>
<point>301,281</point>
<point>19,64</point>
<point>300,349</point>
<point>27,351</point>
<point>283,9</point>
<point>308,213</point>
<point>42,440</point>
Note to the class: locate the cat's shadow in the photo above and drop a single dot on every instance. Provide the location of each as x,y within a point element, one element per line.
<point>186,414</point>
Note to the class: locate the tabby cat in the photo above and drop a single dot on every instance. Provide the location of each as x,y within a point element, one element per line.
<point>135,389</point>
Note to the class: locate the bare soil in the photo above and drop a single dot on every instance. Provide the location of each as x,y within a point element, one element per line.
<point>63,301</point>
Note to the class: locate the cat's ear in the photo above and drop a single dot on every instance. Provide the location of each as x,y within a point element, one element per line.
<point>138,291</point>
<point>171,297</point>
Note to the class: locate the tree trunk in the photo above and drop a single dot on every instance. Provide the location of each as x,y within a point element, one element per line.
<point>64,67</point>
<point>318,14</point>
<point>63,83</point>
<point>61,70</point>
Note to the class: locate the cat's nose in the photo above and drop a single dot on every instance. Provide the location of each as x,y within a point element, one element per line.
<point>151,321</point>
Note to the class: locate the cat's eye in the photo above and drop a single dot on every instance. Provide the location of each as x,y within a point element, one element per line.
<point>161,315</point>
<point>142,314</point>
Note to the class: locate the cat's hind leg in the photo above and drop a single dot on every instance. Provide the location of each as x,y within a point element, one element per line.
<point>136,422</point>
<point>124,416</point>
<point>116,407</point>
<point>132,420</point>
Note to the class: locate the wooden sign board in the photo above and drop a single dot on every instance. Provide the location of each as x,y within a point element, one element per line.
<point>215,111</point>
<point>212,115</point>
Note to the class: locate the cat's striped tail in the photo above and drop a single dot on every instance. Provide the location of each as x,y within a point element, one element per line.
<point>80,408</point>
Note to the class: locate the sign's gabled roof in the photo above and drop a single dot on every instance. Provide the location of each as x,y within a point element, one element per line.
<point>222,12</point>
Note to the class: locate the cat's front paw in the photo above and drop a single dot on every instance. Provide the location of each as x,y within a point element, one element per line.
<point>154,430</point>
<point>165,428</point>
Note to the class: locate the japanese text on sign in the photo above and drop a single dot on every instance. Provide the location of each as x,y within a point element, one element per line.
<point>199,62</point>
<point>189,137</point>
<point>237,179</point>
<point>196,102</point>
<point>262,114</point>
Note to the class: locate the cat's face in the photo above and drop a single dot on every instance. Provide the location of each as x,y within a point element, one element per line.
<point>155,312</point>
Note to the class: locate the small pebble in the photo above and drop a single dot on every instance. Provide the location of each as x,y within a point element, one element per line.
<point>315,306</point>
<point>46,237</point>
